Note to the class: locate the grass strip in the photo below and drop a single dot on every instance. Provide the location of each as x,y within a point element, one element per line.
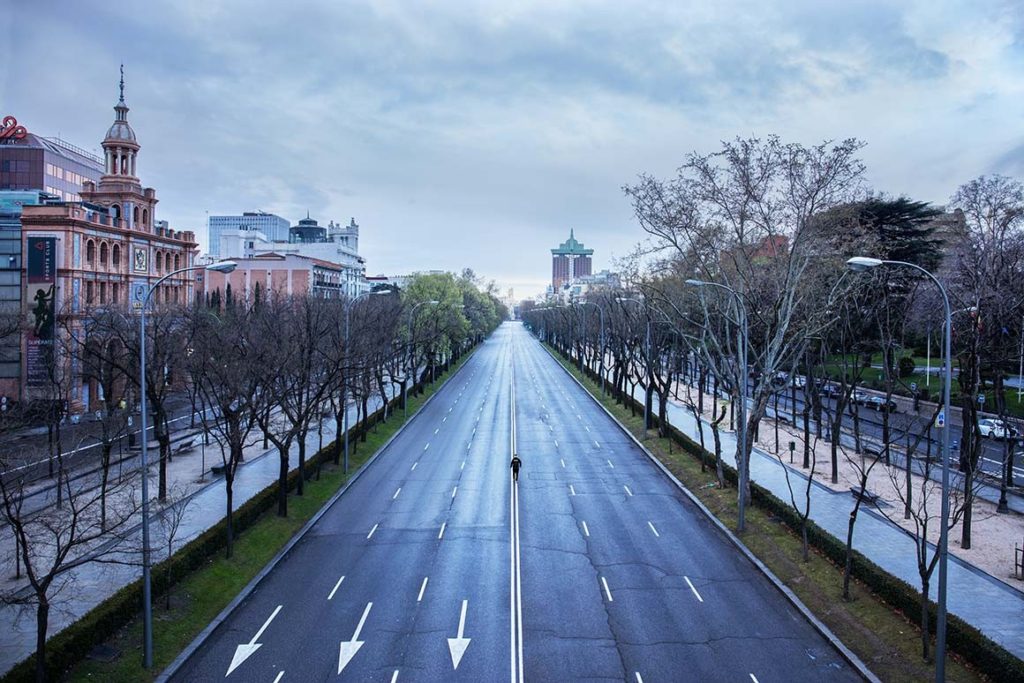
<point>881,636</point>
<point>200,596</point>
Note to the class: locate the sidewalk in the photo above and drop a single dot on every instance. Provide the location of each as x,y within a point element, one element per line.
<point>981,600</point>
<point>92,583</point>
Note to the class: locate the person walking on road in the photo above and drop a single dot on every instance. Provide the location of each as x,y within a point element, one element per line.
<point>516,464</point>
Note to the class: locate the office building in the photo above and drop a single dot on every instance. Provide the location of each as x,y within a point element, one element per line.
<point>569,261</point>
<point>273,227</point>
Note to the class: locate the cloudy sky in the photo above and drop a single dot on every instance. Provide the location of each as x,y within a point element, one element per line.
<point>475,134</point>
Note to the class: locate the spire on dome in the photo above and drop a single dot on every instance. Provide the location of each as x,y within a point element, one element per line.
<point>122,84</point>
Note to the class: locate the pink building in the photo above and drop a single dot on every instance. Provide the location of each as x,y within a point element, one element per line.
<point>285,274</point>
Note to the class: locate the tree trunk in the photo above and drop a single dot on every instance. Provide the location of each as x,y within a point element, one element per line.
<point>300,485</point>
<point>42,621</point>
<point>282,482</point>
<point>229,517</point>
<point>925,635</point>
<point>848,565</point>
<point>104,479</point>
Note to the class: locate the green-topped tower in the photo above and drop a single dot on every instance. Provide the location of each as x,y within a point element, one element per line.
<point>569,261</point>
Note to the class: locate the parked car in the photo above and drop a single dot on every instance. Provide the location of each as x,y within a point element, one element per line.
<point>996,429</point>
<point>859,397</point>
<point>798,381</point>
<point>780,379</point>
<point>880,403</point>
<point>831,389</point>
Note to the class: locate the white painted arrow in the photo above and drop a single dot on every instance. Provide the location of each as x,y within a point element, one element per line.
<point>457,646</point>
<point>349,648</point>
<point>243,651</point>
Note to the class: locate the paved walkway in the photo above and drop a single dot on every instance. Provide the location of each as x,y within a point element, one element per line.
<point>93,583</point>
<point>992,607</point>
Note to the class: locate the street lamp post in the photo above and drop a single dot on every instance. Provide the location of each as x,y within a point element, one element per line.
<point>862,263</point>
<point>344,383</point>
<point>412,311</point>
<point>742,465</point>
<point>147,604</point>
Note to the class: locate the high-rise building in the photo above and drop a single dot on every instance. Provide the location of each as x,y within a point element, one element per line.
<point>569,261</point>
<point>273,227</point>
<point>34,163</point>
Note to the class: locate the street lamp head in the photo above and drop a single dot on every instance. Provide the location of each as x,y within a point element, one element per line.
<point>695,283</point>
<point>433,302</point>
<point>222,266</point>
<point>861,263</point>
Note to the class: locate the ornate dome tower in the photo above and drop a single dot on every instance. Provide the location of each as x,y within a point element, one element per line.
<point>119,145</point>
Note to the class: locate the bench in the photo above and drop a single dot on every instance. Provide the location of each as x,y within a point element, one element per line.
<point>218,470</point>
<point>183,446</point>
<point>864,494</point>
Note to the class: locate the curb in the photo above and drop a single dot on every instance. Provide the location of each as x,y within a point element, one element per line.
<point>818,625</point>
<point>186,654</point>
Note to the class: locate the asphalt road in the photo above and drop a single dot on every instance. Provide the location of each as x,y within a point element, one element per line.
<point>435,566</point>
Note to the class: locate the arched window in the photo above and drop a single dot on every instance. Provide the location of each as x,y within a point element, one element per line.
<point>104,253</point>
<point>145,218</point>
<point>115,256</point>
<point>177,261</point>
<point>90,252</point>
<point>135,217</point>
<point>115,212</point>
<point>159,261</point>
<point>167,261</point>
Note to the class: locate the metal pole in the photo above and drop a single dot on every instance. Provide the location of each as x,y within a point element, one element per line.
<point>1020,369</point>
<point>344,392</point>
<point>647,384</point>
<point>147,605</point>
<point>744,475</point>
<point>940,626</point>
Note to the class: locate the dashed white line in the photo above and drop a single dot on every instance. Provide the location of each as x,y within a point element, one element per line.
<point>628,492</point>
<point>335,589</point>
<point>562,461</point>
<point>426,447</point>
<point>606,591</point>
<point>423,587</point>
<point>586,530</point>
<point>754,678</point>
<point>279,675</point>
<point>610,464</point>
<point>690,584</point>
<point>638,678</point>
<point>396,493</point>
<point>587,428</point>
<point>444,419</point>
<point>572,491</point>
<point>454,491</point>
<point>596,443</point>
<point>556,443</point>
<point>414,465</point>
<point>370,535</point>
<point>394,676</point>
<point>437,430</point>
<point>441,532</point>
<point>463,465</point>
<point>653,529</point>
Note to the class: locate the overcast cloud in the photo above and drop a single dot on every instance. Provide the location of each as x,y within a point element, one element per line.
<point>477,133</point>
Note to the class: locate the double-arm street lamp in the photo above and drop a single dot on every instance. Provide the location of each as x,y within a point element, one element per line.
<point>412,311</point>
<point>742,463</point>
<point>344,384</point>
<point>863,263</point>
<point>147,606</point>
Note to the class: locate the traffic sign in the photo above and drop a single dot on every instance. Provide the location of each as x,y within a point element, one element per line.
<point>981,399</point>
<point>913,386</point>
<point>940,419</point>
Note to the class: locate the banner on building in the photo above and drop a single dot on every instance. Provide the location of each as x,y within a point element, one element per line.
<point>41,295</point>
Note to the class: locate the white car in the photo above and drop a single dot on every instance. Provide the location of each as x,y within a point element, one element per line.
<point>798,381</point>
<point>995,429</point>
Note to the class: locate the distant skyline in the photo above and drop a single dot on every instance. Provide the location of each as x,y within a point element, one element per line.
<point>477,134</point>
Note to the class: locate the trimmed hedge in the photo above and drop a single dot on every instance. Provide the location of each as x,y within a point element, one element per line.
<point>992,659</point>
<point>72,644</point>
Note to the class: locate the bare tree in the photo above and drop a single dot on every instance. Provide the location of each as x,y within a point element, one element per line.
<point>170,520</point>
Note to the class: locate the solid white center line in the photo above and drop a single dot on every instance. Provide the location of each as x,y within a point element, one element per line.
<point>335,589</point>
<point>610,464</point>
<point>441,532</point>
<point>454,491</point>
<point>423,587</point>
<point>653,529</point>
<point>394,676</point>
<point>586,531</point>
<point>690,584</point>
<point>572,491</point>
<point>370,535</point>
<point>562,461</point>
<point>279,675</point>
<point>628,492</point>
<point>606,591</point>
<point>414,465</point>
<point>396,493</point>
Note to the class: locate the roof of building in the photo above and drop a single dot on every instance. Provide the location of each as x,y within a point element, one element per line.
<point>571,247</point>
<point>58,147</point>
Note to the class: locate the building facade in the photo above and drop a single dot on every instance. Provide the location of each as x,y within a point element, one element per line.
<point>283,274</point>
<point>569,261</point>
<point>107,249</point>
<point>273,227</point>
<point>32,162</point>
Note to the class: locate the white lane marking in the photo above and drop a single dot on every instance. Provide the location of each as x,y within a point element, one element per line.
<point>690,584</point>
<point>426,447</point>
<point>349,648</point>
<point>610,464</point>
<point>244,650</point>
<point>449,410</point>
<point>587,428</point>
<point>579,417</point>
<point>369,535</point>
<point>469,445</point>
<point>597,443</point>
<point>394,676</point>
<point>628,492</point>
<point>423,587</point>
<point>556,443</point>
<point>414,465</point>
<point>653,529</point>
<point>586,530</point>
<point>606,591</point>
<point>562,461</point>
<point>444,419</point>
<point>335,589</point>
<point>754,678</point>
<point>457,645</point>
<point>454,491</point>
<point>280,674</point>
<point>463,465</point>
<point>437,430</point>
<point>572,491</point>
<point>441,532</point>
<point>396,493</point>
<point>638,678</point>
